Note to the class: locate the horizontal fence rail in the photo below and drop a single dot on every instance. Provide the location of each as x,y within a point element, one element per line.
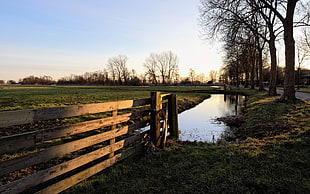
<point>75,152</point>
<point>19,117</point>
<point>31,138</point>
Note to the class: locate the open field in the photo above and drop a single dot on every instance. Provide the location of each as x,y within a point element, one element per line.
<point>28,97</point>
<point>270,155</point>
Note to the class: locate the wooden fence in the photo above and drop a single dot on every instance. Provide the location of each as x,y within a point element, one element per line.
<point>72,153</point>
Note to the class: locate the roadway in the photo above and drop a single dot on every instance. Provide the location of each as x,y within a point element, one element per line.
<point>299,95</point>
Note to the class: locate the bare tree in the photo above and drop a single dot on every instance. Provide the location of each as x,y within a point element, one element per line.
<point>212,75</point>
<point>277,14</point>
<point>233,19</point>
<point>112,70</point>
<point>306,34</point>
<point>167,66</point>
<point>302,52</point>
<point>285,12</point>
<point>271,32</point>
<point>162,66</point>
<point>151,68</point>
<point>118,68</point>
<point>201,77</point>
<point>192,75</point>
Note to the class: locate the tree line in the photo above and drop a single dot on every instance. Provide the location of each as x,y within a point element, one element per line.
<point>160,69</point>
<point>117,73</point>
<point>250,30</point>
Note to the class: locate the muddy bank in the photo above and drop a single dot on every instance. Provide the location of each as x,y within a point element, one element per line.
<point>185,104</point>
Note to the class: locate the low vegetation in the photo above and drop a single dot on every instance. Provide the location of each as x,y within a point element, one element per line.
<point>270,154</point>
<point>15,97</point>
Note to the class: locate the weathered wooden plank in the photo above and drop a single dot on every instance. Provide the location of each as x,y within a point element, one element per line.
<point>113,127</point>
<point>57,151</point>
<point>50,173</point>
<point>156,106</point>
<point>140,136</point>
<point>173,116</point>
<point>13,142</point>
<point>165,128</point>
<point>45,175</point>
<point>63,131</point>
<point>19,117</point>
<point>138,125</point>
<point>8,143</point>
<point>73,180</point>
<point>9,118</point>
<point>141,102</point>
<point>165,96</point>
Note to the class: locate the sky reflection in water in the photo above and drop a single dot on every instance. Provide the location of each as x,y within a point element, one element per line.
<point>198,123</point>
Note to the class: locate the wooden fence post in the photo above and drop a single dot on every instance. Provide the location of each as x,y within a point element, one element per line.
<point>113,127</point>
<point>156,105</point>
<point>173,116</point>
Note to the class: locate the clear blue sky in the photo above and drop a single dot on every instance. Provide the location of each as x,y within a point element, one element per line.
<point>60,37</point>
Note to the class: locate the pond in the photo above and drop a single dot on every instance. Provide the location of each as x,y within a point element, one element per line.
<point>199,123</point>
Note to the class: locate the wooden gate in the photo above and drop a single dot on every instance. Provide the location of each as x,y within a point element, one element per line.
<point>52,159</point>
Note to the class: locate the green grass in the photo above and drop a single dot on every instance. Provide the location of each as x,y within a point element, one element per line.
<point>190,168</point>
<point>276,161</point>
<point>266,116</point>
<point>29,97</point>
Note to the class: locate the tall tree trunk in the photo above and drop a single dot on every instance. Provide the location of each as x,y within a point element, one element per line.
<point>237,74</point>
<point>273,68</point>
<point>253,72</point>
<point>246,81</point>
<point>260,70</point>
<point>256,71</point>
<point>260,63</point>
<point>289,79</point>
<point>163,79</point>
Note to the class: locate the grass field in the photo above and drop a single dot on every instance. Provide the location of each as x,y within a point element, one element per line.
<point>28,97</point>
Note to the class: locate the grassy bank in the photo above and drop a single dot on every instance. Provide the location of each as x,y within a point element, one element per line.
<point>271,154</point>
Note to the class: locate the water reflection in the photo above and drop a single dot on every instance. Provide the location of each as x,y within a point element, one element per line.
<point>198,123</point>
